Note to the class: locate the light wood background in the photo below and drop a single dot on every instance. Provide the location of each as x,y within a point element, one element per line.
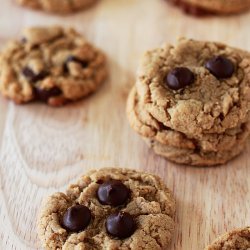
<point>44,149</point>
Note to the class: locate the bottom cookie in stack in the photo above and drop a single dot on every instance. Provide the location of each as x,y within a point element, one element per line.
<point>203,150</point>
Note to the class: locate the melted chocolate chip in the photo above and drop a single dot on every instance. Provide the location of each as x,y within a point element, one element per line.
<point>120,225</point>
<point>113,193</point>
<point>220,67</point>
<point>45,94</point>
<point>75,59</point>
<point>32,77</point>
<point>179,78</point>
<point>76,218</point>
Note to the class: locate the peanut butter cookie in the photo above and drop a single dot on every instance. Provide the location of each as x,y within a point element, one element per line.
<point>108,209</point>
<point>50,64</point>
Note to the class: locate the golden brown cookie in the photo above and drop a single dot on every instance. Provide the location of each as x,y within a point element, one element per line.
<point>208,7</point>
<point>193,157</point>
<point>110,208</point>
<point>57,6</point>
<point>196,87</point>
<point>50,64</point>
<point>238,239</point>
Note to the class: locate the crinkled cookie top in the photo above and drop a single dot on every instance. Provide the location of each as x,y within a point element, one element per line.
<point>150,203</point>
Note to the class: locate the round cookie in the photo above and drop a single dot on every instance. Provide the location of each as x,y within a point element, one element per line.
<point>238,239</point>
<point>208,102</point>
<point>144,124</point>
<point>57,6</point>
<point>50,64</point>
<point>208,7</point>
<point>129,210</point>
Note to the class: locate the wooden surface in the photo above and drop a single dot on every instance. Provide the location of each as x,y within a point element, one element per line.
<point>43,149</point>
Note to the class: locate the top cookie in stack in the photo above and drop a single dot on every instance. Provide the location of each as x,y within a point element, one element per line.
<point>191,101</point>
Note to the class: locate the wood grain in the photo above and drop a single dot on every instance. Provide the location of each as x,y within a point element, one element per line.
<point>44,149</point>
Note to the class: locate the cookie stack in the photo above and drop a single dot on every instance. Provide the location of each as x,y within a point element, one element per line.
<point>191,102</point>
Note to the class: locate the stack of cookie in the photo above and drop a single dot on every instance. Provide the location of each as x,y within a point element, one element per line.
<point>191,102</point>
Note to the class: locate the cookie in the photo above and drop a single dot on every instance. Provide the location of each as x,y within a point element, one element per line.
<point>57,6</point>
<point>110,208</point>
<point>238,239</point>
<point>195,157</point>
<point>196,87</point>
<point>209,7</point>
<point>50,64</point>
<point>144,124</point>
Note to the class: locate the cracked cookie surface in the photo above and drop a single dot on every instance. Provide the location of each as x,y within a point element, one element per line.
<point>57,6</point>
<point>208,105</point>
<point>150,203</point>
<point>51,64</point>
<point>205,7</point>
<point>238,239</point>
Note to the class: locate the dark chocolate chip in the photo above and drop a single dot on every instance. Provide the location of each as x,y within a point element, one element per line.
<point>32,77</point>
<point>113,193</point>
<point>100,181</point>
<point>179,78</point>
<point>220,67</point>
<point>75,59</point>
<point>45,94</point>
<point>120,225</point>
<point>76,218</point>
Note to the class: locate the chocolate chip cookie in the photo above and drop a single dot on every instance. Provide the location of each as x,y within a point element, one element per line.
<point>236,240</point>
<point>57,6</point>
<point>191,102</point>
<point>203,150</point>
<point>196,87</point>
<point>51,64</point>
<point>110,208</point>
<point>209,7</point>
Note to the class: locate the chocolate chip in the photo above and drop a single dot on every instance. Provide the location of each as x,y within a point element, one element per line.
<point>100,181</point>
<point>76,218</point>
<point>75,59</point>
<point>179,78</point>
<point>220,67</point>
<point>113,193</point>
<point>32,77</point>
<point>45,94</point>
<point>120,225</point>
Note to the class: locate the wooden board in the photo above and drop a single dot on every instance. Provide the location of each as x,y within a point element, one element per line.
<point>44,149</point>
